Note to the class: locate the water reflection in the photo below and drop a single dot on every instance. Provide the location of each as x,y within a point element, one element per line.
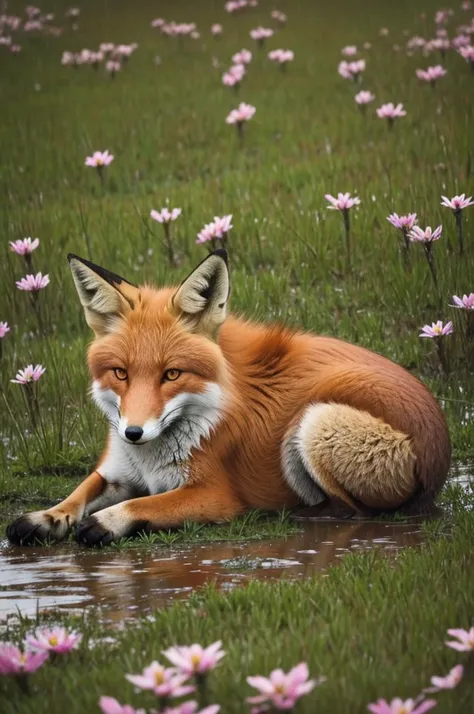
<point>125,583</point>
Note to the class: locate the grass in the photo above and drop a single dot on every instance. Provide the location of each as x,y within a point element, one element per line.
<point>375,627</point>
<point>372,626</point>
<point>166,127</point>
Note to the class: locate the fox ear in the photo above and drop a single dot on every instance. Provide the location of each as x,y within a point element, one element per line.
<point>201,299</point>
<point>105,296</point>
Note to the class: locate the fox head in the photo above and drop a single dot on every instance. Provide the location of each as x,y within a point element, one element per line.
<point>155,359</point>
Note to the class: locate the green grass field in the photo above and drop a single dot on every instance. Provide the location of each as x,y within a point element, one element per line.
<point>164,122</point>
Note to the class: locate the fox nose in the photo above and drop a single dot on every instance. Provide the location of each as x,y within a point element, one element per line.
<point>133,433</point>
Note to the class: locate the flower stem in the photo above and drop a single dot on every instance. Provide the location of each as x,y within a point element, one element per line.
<point>347,227</point>
<point>28,263</point>
<point>201,686</point>
<point>458,216</point>
<point>32,403</point>
<point>169,246</point>
<point>431,264</point>
<point>23,682</point>
<point>163,703</point>
<point>470,325</point>
<point>406,250</point>
<point>240,131</point>
<point>37,310</point>
<point>443,360</point>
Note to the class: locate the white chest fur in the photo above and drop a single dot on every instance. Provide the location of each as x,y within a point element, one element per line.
<point>161,464</point>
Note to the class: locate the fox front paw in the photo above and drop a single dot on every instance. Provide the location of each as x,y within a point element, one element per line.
<point>92,533</point>
<point>38,527</point>
<point>104,527</point>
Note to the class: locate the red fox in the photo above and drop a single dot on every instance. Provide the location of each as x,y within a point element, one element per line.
<point>211,415</point>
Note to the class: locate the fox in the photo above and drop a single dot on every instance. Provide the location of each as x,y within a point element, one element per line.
<point>211,415</point>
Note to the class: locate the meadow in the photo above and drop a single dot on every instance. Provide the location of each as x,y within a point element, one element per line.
<point>162,116</point>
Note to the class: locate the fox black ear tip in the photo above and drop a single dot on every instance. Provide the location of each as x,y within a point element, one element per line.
<point>72,256</point>
<point>222,253</point>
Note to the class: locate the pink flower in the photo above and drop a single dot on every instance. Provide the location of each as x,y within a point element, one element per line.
<point>216,29</point>
<point>283,690</point>
<point>32,11</point>
<point>460,41</point>
<point>390,111</point>
<point>439,43</point>
<point>109,705</point>
<point>206,234</point>
<point>242,57</point>
<point>457,203</point>
<point>163,681</point>
<point>281,56</point>
<point>196,659</point>
<point>278,16</point>
<point>33,283</point>
<point>343,201</point>
<point>244,112</point>
<point>364,97</point>
<point>398,706</point>
<point>343,70</point>
<point>351,70</point>
<point>467,53</point>
<point>234,75</point>
<point>29,374</point>
<point>165,216</point>
<point>158,22</point>
<point>349,50</point>
<point>442,16</point>
<point>14,661</point>
<point>99,158</point>
<point>466,640</point>
<point>416,42</point>
<point>466,5</point>
<point>106,47</point>
<point>190,708</point>
<point>451,680</point>
<point>261,33</point>
<point>125,50</point>
<point>56,639</point>
<point>357,67</point>
<point>234,5</point>
<point>217,229</point>
<point>466,302</point>
<point>404,223</point>
<point>15,49</point>
<point>431,74</point>
<point>221,227</point>
<point>230,80</point>
<point>419,235</point>
<point>25,246</point>
<point>437,329</point>
<point>112,66</point>
<point>4,328</point>
<point>73,12</point>
<point>68,58</point>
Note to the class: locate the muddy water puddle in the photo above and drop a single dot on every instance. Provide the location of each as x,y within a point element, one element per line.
<point>131,582</point>
<point>125,584</point>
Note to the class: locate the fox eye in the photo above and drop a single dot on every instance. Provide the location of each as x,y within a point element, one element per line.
<point>171,375</point>
<point>121,374</point>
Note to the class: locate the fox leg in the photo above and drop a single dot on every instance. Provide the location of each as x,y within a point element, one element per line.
<point>349,456</point>
<point>56,522</point>
<point>203,504</point>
